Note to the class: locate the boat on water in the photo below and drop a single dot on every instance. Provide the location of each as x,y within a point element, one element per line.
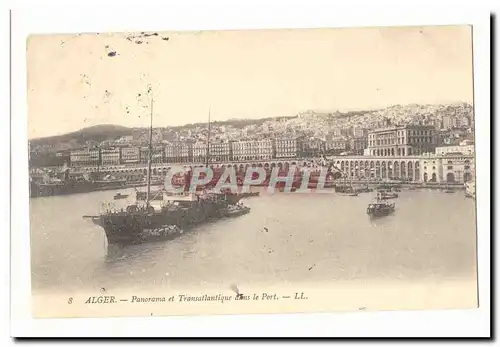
<point>388,187</point>
<point>348,193</point>
<point>146,222</point>
<point>63,182</point>
<point>386,195</point>
<point>364,189</point>
<point>380,208</point>
<point>119,196</point>
<point>155,218</point>
<point>347,189</point>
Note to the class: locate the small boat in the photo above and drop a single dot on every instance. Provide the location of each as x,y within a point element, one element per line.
<point>385,195</point>
<point>119,196</point>
<point>348,194</point>
<point>448,190</point>
<point>380,208</point>
<point>362,189</point>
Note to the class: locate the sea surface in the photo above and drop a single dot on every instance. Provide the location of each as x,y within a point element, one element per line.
<point>287,238</point>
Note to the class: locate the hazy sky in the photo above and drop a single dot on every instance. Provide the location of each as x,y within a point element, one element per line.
<point>74,83</point>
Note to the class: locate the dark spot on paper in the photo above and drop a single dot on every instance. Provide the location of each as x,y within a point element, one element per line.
<point>155,34</point>
<point>312,267</point>
<point>142,32</point>
<point>139,95</point>
<point>138,42</point>
<point>103,290</point>
<point>107,46</point>
<point>112,54</point>
<point>267,230</point>
<point>362,308</point>
<point>165,38</point>
<point>234,288</point>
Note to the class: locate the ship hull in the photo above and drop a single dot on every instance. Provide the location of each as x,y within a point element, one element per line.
<point>380,213</point>
<point>134,228</point>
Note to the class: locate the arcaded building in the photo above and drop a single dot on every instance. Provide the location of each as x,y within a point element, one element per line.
<point>405,140</point>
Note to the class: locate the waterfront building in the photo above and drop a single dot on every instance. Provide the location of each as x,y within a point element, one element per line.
<point>144,155</point>
<point>79,157</point>
<point>85,157</point>
<point>402,140</point>
<point>285,148</point>
<point>157,155</point>
<point>460,149</point>
<point>450,168</point>
<point>199,150</point>
<point>130,155</point>
<point>252,150</point>
<point>380,168</point>
<point>357,145</point>
<point>177,152</point>
<point>110,156</point>
<point>219,152</point>
<point>312,148</point>
<point>337,145</point>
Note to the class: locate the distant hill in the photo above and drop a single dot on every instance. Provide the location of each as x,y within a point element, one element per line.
<point>235,122</point>
<point>96,133</point>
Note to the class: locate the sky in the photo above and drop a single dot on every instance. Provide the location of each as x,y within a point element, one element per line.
<point>76,80</point>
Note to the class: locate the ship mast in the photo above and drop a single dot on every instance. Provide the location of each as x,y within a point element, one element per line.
<point>150,154</point>
<point>208,140</point>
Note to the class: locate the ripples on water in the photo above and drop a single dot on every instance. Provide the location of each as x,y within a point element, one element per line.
<point>309,237</point>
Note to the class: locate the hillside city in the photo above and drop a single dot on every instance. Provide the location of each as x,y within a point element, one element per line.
<point>308,134</point>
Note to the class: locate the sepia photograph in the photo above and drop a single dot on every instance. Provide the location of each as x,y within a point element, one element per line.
<point>252,171</point>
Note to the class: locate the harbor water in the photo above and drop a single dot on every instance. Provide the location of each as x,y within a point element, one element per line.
<point>286,238</point>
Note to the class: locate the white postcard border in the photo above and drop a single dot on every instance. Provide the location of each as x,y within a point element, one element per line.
<point>256,14</point>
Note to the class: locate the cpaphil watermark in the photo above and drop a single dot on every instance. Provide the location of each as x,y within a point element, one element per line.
<point>295,179</point>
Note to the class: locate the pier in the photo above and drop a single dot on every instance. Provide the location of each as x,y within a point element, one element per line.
<point>431,169</point>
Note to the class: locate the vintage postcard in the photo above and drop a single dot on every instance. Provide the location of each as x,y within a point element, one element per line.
<point>258,171</point>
